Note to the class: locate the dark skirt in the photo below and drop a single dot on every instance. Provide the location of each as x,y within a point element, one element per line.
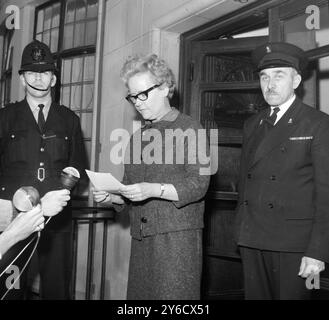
<point>166,266</point>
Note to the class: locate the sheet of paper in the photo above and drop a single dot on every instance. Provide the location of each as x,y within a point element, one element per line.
<point>104,181</point>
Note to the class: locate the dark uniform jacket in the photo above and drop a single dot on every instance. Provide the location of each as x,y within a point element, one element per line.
<point>27,154</point>
<point>284,189</point>
<point>155,216</point>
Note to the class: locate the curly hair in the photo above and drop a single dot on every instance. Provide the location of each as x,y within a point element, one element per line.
<point>149,63</point>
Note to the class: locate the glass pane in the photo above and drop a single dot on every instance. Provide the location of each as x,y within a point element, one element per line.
<point>66,71</point>
<point>75,97</point>
<point>77,70</point>
<point>229,68</point>
<point>80,10</point>
<point>54,40</point>
<point>86,124</point>
<point>65,96</point>
<point>230,108</point>
<point>40,21</point>
<point>79,34</point>
<point>46,37</point>
<point>321,35</point>
<point>39,37</point>
<point>92,8</point>
<point>68,36</point>
<point>47,22</point>
<point>70,10</point>
<point>91,32</point>
<point>87,96</point>
<point>56,14</point>
<point>89,68</point>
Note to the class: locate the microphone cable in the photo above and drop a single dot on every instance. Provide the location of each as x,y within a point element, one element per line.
<point>36,236</point>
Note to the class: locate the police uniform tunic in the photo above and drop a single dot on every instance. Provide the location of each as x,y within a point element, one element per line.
<point>30,157</point>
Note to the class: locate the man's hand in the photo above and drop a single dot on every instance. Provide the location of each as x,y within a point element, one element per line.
<point>310,266</point>
<point>25,224</point>
<point>53,202</point>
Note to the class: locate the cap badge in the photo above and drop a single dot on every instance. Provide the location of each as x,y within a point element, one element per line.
<point>268,49</point>
<point>38,54</point>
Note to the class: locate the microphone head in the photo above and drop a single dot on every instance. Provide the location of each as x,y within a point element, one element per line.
<point>69,177</point>
<point>25,198</point>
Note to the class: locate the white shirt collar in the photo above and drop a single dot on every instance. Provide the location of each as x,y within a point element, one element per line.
<point>35,109</point>
<point>283,108</point>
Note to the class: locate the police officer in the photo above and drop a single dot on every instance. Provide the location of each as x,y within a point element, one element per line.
<point>38,139</point>
<point>283,211</point>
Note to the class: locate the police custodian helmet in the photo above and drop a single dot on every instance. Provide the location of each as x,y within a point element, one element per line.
<point>37,57</point>
<point>279,54</point>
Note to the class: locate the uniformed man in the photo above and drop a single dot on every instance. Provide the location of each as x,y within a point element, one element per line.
<point>38,139</point>
<point>283,211</point>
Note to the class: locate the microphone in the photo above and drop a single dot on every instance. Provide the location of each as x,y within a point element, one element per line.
<point>69,177</point>
<point>26,198</point>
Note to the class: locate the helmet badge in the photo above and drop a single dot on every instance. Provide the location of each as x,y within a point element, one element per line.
<point>38,54</point>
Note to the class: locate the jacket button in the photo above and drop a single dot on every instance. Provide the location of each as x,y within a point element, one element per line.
<point>273,177</point>
<point>41,164</point>
<point>144,220</point>
<point>12,136</point>
<point>3,189</point>
<point>249,176</point>
<point>42,149</point>
<point>245,202</point>
<point>270,205</point>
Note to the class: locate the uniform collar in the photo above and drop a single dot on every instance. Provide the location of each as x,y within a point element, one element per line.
<point>34,105</point>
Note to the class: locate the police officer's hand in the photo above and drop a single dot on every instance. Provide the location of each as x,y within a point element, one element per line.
<point>25,224</point>
<point>53,202</point>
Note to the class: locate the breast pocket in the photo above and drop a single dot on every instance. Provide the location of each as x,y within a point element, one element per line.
<point>16,147</point>
<point>57,146</point>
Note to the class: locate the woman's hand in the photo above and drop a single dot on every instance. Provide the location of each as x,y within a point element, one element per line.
<point>141,191</point>
<point>101,196</point>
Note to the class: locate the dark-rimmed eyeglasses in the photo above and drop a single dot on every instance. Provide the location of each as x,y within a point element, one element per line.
<point>142,96</point>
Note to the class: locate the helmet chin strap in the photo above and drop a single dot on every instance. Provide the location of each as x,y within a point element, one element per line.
<point>36,88</point>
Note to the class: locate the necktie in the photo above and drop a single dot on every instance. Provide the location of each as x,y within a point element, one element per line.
<point>265,126</point>
<point>270,120</point>
<point>41,118</point>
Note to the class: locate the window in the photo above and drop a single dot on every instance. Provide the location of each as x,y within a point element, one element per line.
<point>69,28</point>
<point>6,67</point>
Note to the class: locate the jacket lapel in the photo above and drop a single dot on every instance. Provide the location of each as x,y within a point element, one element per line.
<point>281,131</point>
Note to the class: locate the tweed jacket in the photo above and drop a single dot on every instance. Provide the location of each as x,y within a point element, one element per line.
<point>284,188</point>
<point>155,215</point>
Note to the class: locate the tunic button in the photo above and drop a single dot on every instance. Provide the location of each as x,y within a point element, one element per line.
<point>42,149</point>
<point>66,138</point>
<point>41,164</point>
<point>144,220</point>
<point>3,189</point>
<point>12,136</point>
<point>270,205</point>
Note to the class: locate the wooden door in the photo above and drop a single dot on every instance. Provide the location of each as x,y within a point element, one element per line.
<point>225,92</point>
